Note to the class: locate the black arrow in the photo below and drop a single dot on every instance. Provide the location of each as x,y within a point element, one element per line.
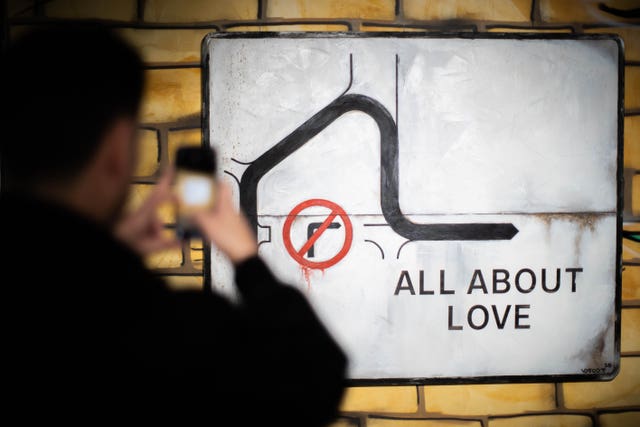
<point>470,231</point>
<point>389,183</point>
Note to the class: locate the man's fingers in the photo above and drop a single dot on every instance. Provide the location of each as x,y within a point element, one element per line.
<point>167,178</point>
<point>225,196</point>
<point>203,219</point>
<point>162,191</point>
<point>163,187</point>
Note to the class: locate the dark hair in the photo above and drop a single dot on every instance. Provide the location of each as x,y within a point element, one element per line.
<point>61,89</point>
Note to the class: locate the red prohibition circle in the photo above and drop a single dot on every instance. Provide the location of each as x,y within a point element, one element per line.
<point>297,255</point>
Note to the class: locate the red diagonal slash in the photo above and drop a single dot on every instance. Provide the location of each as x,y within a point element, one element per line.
<point>316,235</point>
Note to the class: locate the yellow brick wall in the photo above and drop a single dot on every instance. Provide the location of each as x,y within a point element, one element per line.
<point>168,34</point>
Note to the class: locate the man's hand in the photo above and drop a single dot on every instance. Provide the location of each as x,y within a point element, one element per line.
<point>142,230</point>
<point>228,228</point>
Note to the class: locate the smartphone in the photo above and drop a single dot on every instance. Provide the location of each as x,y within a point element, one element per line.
<point>195,187</point>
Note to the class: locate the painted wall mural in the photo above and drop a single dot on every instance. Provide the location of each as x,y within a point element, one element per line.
<point>450,205</point>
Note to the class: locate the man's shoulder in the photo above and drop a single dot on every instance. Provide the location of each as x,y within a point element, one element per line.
<point>45,242</point>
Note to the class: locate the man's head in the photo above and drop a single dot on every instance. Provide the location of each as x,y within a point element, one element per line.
<point>71,97</point>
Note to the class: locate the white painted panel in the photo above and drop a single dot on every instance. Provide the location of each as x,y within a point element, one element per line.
<point>521,133</point>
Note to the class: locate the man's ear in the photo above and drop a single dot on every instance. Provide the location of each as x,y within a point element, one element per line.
<point>103,186</point>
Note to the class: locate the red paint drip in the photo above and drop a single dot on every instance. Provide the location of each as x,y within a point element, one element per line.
<point>306,273</point>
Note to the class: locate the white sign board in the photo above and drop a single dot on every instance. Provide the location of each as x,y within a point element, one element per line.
<point>450,205</point>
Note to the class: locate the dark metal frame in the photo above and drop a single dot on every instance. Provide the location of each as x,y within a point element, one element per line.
<point>206,74</point>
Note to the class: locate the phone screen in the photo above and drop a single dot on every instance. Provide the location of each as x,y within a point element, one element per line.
<point>195,187</point>
<point>195,191</point>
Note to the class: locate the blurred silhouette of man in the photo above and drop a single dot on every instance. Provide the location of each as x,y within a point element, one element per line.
<point>89,333</point>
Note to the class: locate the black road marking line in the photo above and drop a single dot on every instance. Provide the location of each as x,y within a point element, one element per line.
<point>233,176</point>
<point>379,247</point>
<point>389,182</point>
